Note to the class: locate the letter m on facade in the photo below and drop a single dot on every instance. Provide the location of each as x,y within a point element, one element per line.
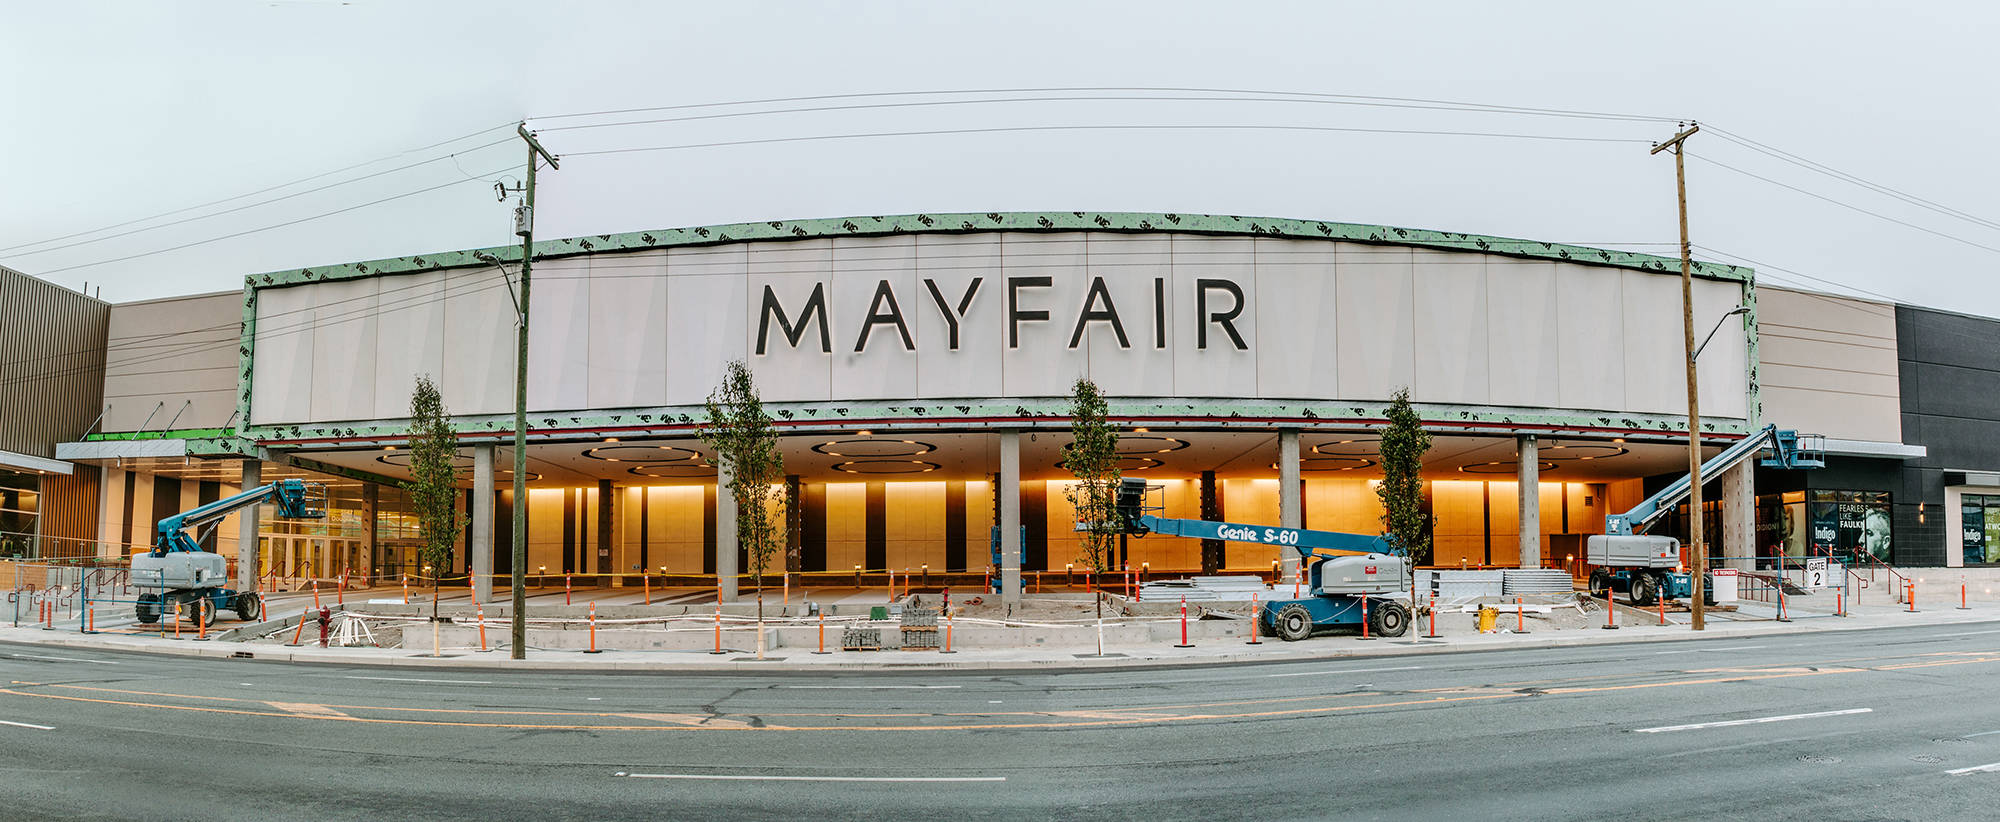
<point>814,310</point>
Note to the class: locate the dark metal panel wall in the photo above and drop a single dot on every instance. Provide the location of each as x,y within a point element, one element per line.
<point>51,363</point>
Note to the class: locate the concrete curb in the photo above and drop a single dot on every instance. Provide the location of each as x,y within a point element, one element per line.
<point>789,659</point>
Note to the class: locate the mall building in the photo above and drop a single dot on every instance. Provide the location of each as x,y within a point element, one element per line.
<point>919,368</point>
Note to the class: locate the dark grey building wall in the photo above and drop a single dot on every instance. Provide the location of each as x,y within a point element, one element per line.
<point>51,363</point>
<point>1950,370</point>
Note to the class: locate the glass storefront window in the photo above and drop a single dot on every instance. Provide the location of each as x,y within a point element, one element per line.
<point>1979,528</point>
<point>20,507</point>
<point>1851,524</point>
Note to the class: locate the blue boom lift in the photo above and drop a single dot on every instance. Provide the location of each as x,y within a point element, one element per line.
<point>1345,569</point>
<point>1646,567</point>
<point>177,572</point>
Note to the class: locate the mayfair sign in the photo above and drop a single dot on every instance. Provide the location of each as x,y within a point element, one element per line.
<point>1217,303</point>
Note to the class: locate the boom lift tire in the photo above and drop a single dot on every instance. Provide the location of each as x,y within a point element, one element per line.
<point>148,609</point>
<point>250,607</point>
<point>1645,586</point>
<point>1389,618</point>
<point>201,611</point>
<point>1294,623</point>
<point>1600,582</point>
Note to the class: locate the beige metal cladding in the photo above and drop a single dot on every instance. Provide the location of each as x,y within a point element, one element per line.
<point>51,363</point>
<point>1828,364</point>
<point>173,361</point>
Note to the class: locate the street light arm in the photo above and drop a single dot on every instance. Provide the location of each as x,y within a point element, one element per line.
<point>1741,309</point>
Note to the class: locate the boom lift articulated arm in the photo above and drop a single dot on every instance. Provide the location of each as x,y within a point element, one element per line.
<point>1131,519</point>
<point>295,499</point>
<point>1789,449</point>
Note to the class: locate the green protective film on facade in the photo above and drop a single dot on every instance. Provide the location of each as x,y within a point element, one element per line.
<point>1042,222</point>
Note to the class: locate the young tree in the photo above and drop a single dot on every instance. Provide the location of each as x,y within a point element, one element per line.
<point>740,434</point>
<point>1092,456</point>
<point>433,484</point>
<point>1404,442</point>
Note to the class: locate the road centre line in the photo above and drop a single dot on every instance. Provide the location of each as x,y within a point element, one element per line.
<point>1759,720</point>
<point>866,687</point>
<point>64,659</point>
<point>1976,769</point>
<point>408,679</point>
<point>1967,633</point>
<point>757,778</point>
<point>1349,671</point>
<point>1982,733</point>
<point>26,725</point>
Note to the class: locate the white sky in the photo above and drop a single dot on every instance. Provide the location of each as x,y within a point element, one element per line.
<point>118,111</point>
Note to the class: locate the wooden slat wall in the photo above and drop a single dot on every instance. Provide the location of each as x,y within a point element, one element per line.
<point>69,514</point>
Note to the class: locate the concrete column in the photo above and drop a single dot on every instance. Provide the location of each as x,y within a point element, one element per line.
<point>1739,513</point>
<point>725,535</point>
<point>481,550</point>
<point>1528,494</point>
<point>246,530</point>
<point>1010,518</point>
<point>607,510</point>
<point>371,533</point>
<point>1212,552</point>
<point>1291,510</point>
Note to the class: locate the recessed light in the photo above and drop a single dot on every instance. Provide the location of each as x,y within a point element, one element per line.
<point>1140,430</point>
<point>865,433</point>
<point>610,439</point>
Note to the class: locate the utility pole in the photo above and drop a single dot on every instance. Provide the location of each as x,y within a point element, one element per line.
<point>1697,547</point>
<point>524,225</point>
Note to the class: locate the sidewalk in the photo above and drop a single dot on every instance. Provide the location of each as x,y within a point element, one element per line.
<point>1455,629</point>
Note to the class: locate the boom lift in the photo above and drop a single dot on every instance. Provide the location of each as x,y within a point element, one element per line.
<point>178,572</point>
<point>1646,567</point>
<point>1345,570</point>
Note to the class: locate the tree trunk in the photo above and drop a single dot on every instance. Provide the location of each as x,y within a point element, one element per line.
<point>758,580</point>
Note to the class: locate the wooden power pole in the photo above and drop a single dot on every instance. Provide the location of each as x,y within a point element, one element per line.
<point>524,225</point>
<point>1697,547</point>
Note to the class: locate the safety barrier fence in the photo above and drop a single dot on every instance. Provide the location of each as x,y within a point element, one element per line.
<point>1786,588</point>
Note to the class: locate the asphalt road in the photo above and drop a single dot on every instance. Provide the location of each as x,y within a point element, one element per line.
<point>1588,733</point>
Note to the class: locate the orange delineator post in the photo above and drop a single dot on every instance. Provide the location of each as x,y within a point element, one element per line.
<point>1298,580</point>
<point>1184,639</point>
<point>315,593</point>
<point>593,629</point>
<point>646,582</point>
<point>822,633</point>
<point>90,620</point>
<point>303,616</point>
<point>1662,601</point>
<point>718,629</point>
<point>1910,589</point>
<point>566,588</point>
<point>1961,596</point>
<point>1254,621</point>
<point>406,589</point>
<point>1434,618</point>
<point>482,628</point>
<point>1520,618</point>
<point>177,620</point>
<point>1364,619</point>
<point>200,625</point>
<point>1610,610</point>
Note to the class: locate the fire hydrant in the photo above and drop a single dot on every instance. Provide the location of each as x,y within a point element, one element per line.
<point>325,619</point>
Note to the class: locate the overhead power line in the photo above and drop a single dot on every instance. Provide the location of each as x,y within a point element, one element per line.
<point>1848,206</point>
<point>1837,174</point>
<point>264,190</point>
<point>1104,127</point>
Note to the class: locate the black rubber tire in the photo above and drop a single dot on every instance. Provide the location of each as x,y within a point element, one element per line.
<point>1294,623</point>
<point>1600,581</point>
<point>1644,587</point>
<point>249,607</point>
<point>1389,619</point>
<point>201,612</point>
<point>148,609</point>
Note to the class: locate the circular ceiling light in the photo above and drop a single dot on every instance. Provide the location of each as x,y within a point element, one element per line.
<point>509,473</point>
<point>1501,467</point>
<point>1150,444</point>
<point>1351,447</point>
<point>874,447</point>
<point>643,454</point>
<point>1333,463</point>
<point>1581,451</point>
<point>671,470</point>
<point>877,467</point>
<point>401,459</point>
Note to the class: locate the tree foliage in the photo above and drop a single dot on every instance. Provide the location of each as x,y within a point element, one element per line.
<point>433,484</point>
<point>1404,442</point>
<point>1092,457</point>
<point>742,438</point>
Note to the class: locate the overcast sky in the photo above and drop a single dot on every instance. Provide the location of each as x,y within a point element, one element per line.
<point>114,112</point>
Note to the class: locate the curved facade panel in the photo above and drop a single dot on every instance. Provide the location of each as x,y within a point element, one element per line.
<point>1005,315</point>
